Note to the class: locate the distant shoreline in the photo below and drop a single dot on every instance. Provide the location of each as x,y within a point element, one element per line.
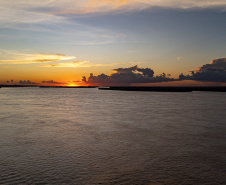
<point>19,86</point>
<point>138,88</point>
<point>167,88</point>
<point>48,86</point>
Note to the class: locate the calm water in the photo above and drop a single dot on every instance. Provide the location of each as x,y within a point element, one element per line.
<point>88,136</point>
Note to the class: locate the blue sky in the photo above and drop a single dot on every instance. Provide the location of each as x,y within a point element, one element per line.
<point>73,38</point>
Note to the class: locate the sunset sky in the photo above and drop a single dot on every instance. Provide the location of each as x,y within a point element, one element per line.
<point>62,40</point>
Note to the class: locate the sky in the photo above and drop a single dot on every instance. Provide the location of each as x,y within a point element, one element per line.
<point>60,41</point>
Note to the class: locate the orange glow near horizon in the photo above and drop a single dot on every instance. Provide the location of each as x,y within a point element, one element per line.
<point>72,84</point>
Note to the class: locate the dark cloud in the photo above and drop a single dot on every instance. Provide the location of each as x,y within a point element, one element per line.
<point>51,82</point>
<point>126,76</point>
<point>145,71</point>
<point>76,81</point>
<point>213,72</point>
<point>27,82</point>
<point>84,79</point>
<point>126,70</point>
<point>216,64</point>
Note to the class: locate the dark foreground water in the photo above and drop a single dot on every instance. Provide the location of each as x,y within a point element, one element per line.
<point>86,136</point>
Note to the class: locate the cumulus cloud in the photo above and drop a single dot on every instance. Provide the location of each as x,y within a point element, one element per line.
<point>216,64</point>
<point>126,76</point>
<point>14,57</point>
<point>145,71</point>
<point>215,71</point>
<point>126,70</point>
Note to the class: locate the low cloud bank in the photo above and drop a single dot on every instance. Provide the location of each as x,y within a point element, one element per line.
<point>126,76</point>
<point>50,82</point>
<point>27,82</point>
<point>213,72</point>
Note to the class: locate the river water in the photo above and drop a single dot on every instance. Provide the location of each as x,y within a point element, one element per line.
<point>88,136</point>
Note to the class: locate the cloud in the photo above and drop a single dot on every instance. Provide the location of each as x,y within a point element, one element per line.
<point>61,19</point>
<point>126,76</point>
<point>77,64</point>
<point>14,57</point>
<point>126,70</point>
<point>179,58</point>
<point>49,11</point>
<point>216,64</point>
<point>145,71</point>
<point>213,72</point>
<point>27,82</point>
<point>24,11</point>
<point>51,82</point>
<point>68,64</point>
<point>103,6</point>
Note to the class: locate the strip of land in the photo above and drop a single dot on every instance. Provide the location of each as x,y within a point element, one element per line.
<point>18,85</point>
<point>166,89</point>
<point>68,86</point>
<point>139,88</point>
<point>48,86</point>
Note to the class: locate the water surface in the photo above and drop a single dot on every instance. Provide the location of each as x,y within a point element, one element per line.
<point>86,136</point>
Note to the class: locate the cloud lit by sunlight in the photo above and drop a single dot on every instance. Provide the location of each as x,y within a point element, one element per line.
<point>179,58</point>
<point>101,6</point>
<point>36,11</point>
<point>13,57</point>
<point>79,64</point>
<point>68,64</point>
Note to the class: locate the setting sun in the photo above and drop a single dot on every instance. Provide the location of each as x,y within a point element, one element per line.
<point>72,85</point>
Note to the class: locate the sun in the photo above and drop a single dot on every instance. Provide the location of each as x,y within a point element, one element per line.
<point>72,85</point>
